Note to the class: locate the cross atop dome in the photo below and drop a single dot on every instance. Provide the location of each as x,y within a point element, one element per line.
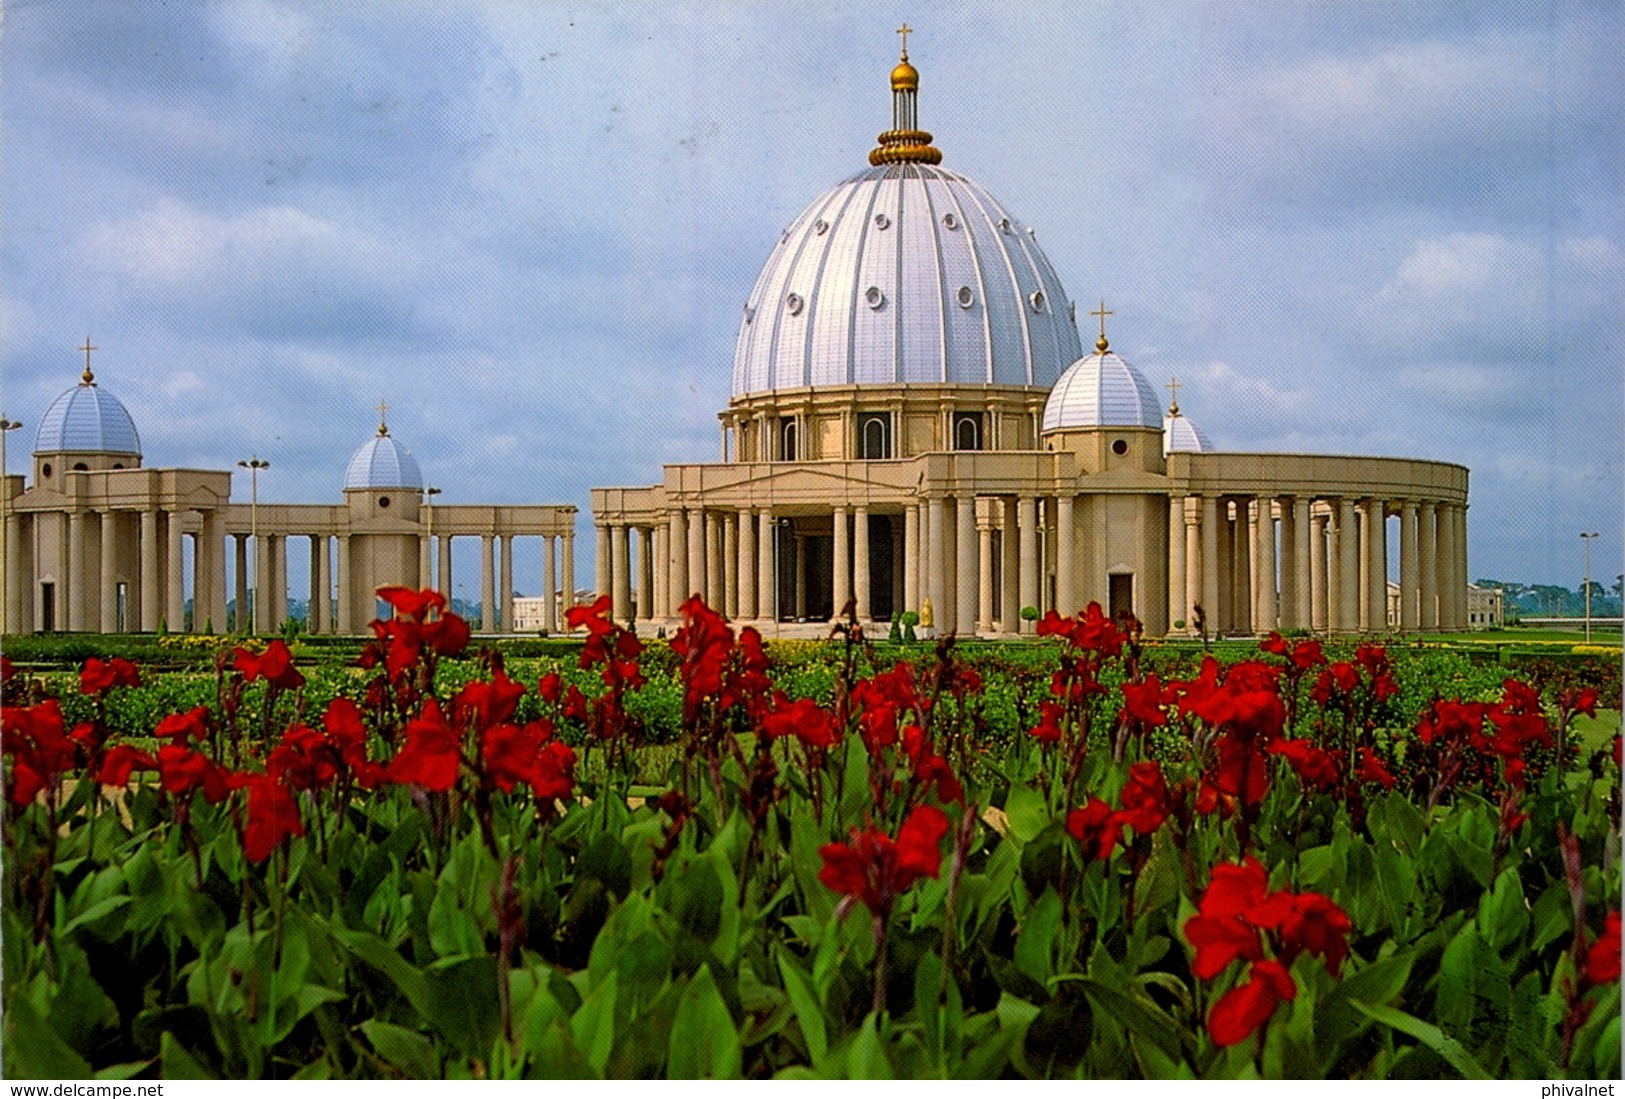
<point>1173,396</point>
<point>87,378</point>
<point>905,142</point>
<point>383,411</point>
<point>1101,345</point>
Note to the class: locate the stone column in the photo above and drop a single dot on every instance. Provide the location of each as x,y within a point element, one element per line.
<point>646,574</point>
<point>1241,602</point>
<point>567,565</point>
<point>175,580</point>
<point>152,564</point>
<point>279,561</point>
<point>1428,567</point>
<point>840,563</point>
<point>425,561</point>
<point>1176,563</point>
<point>1347,618</point>
<point>109,571</point>
<point>767,572</point>
<point>1451,583</point>
<point>1377,558</point>
<point>1320,547</point>
<point>260,610</point>
<point>316,618</point>
<point>715,594</point>
<point>965,573</point>
<point>488,581</point>
<point>1264,598</point>
<point>909,563</point>
<point>1009,609</point>
<point>1223,618</point>
<point>920,563</point>
<point>76,580</point>
<point>239,578</point>
<point>16,575</point>
<point>1461,566</point>
<point>601,568</point>
<point>1027,576</point>
<point>1288,573</point>
<point>676,561</point>
<point>1065,566</point>
<point>696,554</point>
<point>1410,569</point>
<point>346,612</point>
<point>861,579</point>
<point>1209,563</point>
<point>984,571</point>
<point>505,597</point>
<point>1303,543</point>
<point>443,579</point>
<point>1193,560</point>
<point>550,582</point>
<point>620,573</point>
<point>730,564</point>
<point>747,564</point>
<point>937,549</point>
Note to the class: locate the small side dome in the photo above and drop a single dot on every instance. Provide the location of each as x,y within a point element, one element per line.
<point>381,462</point>
<point>1179,433</point>
<point>1101,390</point>
<point>87,418</point>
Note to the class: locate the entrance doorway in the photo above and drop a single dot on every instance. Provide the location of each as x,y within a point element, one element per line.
<point>1121,593</point>
<point>47,607</point>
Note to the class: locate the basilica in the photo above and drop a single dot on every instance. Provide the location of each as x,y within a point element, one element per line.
<point>914,425</point>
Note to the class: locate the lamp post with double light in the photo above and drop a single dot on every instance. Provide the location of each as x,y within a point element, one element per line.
<point>6,426</point>
<point>254,463</point>
<point>1588,539</point>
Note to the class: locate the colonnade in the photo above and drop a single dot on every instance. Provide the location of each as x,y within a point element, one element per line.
<point>1253,564</point>
<point>979,560</point>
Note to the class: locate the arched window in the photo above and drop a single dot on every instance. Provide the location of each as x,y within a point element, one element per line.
<point>967,431</point>
<point>787,440</point>
<point>874,435</point>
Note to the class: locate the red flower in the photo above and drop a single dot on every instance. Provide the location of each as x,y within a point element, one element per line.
<point>803,719</point>
<point>1143,701</point>
<point>1372,769</point>
<point>305,759</point>
<point>1307,654</point>
<point>430,757</point>
<point>274,665</point>
<point>1235,909</point>
<point>1220,940</point>
<point>1274,644</point>
<point>99,676</point>
<point>1582,701</point>
<point>40,753</point>
<point>183,770</point>
<point>490,703</point>
<point>1096,827</point>
<point>1602,960</point>
<point>1244,1010</point>
<point>120,761</point>
<point>448,634</point>
<point>1145,800</point>
<point>415,605</point>
<point>1316,767</point>
<point>551,687</point>
<point>1450,720</point>
<point>1316,925</point>
<point>273,816</point>
<point>183,728</point>
<point>1048,729</point>
<point>930,768</point>
<point>875,870</point>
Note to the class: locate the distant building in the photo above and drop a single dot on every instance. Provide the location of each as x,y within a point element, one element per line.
<point>1486,607</point>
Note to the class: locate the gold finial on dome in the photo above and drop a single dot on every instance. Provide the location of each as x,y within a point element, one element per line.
<point>383,411</point>
<point>1101,346</point>
<point>905,142</point>
<point>1173,399</point>
<point>87,378</point>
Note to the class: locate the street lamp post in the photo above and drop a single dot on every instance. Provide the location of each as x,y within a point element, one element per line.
<point>254,463</point>
<point>428,538</point>
<point>1588,538</point>
<point>6,426</point>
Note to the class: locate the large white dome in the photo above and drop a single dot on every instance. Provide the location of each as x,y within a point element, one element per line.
<point>87,418</point>
<point>905,273</point>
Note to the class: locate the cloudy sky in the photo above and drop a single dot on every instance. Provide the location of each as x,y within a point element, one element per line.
<point>1364,228</point>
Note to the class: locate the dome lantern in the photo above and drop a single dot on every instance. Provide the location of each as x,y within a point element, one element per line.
<point>905,142</point>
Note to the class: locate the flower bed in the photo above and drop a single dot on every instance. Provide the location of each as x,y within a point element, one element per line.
<point>1095,857</point>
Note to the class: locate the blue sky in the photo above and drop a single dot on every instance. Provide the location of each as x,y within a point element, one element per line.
<point>1365,228</point>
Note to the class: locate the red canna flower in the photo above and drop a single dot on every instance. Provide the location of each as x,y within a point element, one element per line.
<point>875,871</point>
<point>183,770</point>
<point>1372,769</point>
<point>551,687</point>
<point>931,769</point>
<point>1274,644</point>
<point>100,676</point>
<point>40,753</point>
<point>120,761</point>
<point>1315,766</point>
<point>803,719</point>
<point>192,726</point>
<point>415,605</point>
<point>1316,925</point>
<point>1244,1010</point>
<point>1096,827</point>
<point>430,756</point>
<point>273,815</point>
<point>1143,701</point>
<point>488,704</point>
<point>1048,729</point>
<point>1602,960</point>
<point>1145,799</point>
<point>1307,654</point>
<point>274,665</point>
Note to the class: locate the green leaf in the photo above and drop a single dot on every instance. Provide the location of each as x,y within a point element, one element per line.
<point>407,1051</point>
<point>1027,812</point>
<point>593,1024</point>
<point>866,1055</point>
<point>1136,1014</point>
<point>33,1050</point>
<point>1381,982</point>
<point>1426,1033</point>
<point>406,977</point>
<point>1036,941</point>
<point>1502,914</point>
<point>804,1002</point>
<point>1530,1031</point>
<point>704,1043</point>
<point>463,1004</point>
<point>1474,995</point>
<point>1396,874</point>
<point>178,1063</point>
